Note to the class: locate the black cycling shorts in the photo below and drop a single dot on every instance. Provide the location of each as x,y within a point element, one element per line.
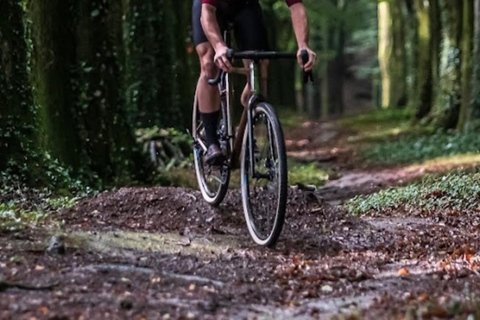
<point>246,16</point>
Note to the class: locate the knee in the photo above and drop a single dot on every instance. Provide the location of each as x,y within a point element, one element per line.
<point>207,66</point>
<point>208,69</point>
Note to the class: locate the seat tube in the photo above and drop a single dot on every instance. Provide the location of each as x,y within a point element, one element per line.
<point>228,110</point>
<point>250,120</point>
<point>252,77</point>
<point>227,36</point>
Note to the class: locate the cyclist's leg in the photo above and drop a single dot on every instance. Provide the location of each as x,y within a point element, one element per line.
<point>251,34</point>
<point>208,96</point>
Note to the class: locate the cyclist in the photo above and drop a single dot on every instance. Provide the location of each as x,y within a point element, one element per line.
<point>209,19</point>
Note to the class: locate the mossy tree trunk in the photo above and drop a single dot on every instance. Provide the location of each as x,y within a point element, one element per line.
<point>467,51</point>
<point>410,48</point>
<point>475,110</point>
<point>448,98</point>
<point>436,40</point>
<point>107,139</point>
<point>391,55</point>
<point>398,63</point>
<point>154,30</point>
<point>17,114</point>
<point>422,101</point>
<point>385,50</point>
<point>186,62</point>
<point>53,65</point>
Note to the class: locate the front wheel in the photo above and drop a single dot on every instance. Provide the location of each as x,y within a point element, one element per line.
<point>212,180</point>
<point>264,176</point>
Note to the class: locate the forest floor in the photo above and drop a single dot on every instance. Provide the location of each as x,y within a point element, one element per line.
<point>162,253</point>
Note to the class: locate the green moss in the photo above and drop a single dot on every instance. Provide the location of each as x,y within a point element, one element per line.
<point>454,191</point>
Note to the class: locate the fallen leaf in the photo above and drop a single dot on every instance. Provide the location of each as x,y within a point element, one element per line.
<point>403,272</point>
<point>156,280</point>
<point>423,297</point>
<point>327,289</point>
<point>44,310</point>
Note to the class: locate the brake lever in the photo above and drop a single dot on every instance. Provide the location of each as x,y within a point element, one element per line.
<point>307,75</point>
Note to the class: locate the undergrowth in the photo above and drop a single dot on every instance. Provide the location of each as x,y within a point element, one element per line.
<point>25,203</point>
<point>308,174</point>
<point>455,191</point>
<point>422,147</point>
<point>378,119</point>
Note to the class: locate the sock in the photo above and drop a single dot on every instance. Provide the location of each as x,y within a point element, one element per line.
<point>210,121</point>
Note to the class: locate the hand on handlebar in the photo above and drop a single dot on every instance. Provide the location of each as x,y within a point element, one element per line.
<point>221,59</point>
<point>312,58</point>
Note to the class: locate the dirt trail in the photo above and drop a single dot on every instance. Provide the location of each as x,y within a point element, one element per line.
<point>162,253</point>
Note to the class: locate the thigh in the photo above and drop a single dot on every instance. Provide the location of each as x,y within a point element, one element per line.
<point>249,27</point>
<point>198,35</point>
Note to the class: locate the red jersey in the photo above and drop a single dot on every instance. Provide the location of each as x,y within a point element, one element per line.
<point>215,2</point>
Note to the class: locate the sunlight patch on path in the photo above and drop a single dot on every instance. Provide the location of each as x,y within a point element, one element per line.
<point>404,174</point>
<point>167,243</point>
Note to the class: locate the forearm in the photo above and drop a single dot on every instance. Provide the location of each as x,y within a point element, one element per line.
<point>211,27</point>
<point>300,24</point>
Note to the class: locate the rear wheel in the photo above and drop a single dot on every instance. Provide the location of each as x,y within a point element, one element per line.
<point>264,187</point>
<point>212,180</point>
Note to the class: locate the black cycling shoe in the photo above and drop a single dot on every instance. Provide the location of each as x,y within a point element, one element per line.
<point>214,155</point>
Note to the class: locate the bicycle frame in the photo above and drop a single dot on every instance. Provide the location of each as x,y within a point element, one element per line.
<point>235,141</point>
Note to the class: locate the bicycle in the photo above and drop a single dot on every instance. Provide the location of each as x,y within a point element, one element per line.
<point>260,143</point>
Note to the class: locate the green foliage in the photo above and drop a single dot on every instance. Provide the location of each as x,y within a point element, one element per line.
<point>307,174</point>
<point>422,147</point>
<point>290,118</point>
<point>12,219</point>
<point>458,191</point>
<point>166,148</point>
<point>23,206</point>
<point>383,118</point>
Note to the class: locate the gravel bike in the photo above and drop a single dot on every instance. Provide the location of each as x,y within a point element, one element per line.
<point>258,144</point>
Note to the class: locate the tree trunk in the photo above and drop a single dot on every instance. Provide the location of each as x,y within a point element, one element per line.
<point>385,51</point>
<point>475,112</point>
<point>436,39</point>
<point>151,63</point>
<point>281,88</point>
<point>398,63</point>
<point>17,124</point>
<point>53,64</point>
<point>336,67</point>
<point>410,48</point>
<point>467,51</point>
<point>186,62</point>
<point>106,138</point>
<point>422,103</point>
<point>448,99</point>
